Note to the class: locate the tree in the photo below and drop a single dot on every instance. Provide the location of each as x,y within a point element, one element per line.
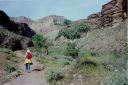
<point>71,50</point>
<point>82,27</point>
<point>40,42</point>
<point>67,22</point>
<point>69,34</point>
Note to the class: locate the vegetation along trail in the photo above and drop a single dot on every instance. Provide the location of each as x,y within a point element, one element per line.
<point>35,77</point>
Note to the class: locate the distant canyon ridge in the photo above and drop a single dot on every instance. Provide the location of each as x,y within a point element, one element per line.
<point>111,13</point>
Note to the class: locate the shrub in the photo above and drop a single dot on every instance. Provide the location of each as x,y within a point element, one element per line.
<point>73,32</point>
<point>11,68</point>
<point>87,59</point>
<point>38,41</point>
<point>71,50</point>
<point>82,27</point>
<point>69,34</point>
<point>4,32</point>
<point>64,62</point>
<point>67,22</point>
<point>54,76</point>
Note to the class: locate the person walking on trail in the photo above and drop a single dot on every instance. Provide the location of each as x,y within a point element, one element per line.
<point>28,61</point>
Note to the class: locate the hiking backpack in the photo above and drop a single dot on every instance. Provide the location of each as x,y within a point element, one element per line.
<point>28,56</point>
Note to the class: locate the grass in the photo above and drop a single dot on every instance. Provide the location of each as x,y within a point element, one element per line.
<point>9,59</point>
<point>53,76</point>
<point>92,64</point>
<point>8,64</point>
<point>56,51</point>
<point>11,68</point>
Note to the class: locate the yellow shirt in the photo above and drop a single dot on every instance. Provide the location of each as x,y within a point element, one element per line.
<point>27,61</point>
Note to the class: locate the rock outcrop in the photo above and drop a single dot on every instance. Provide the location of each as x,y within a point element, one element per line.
<point>18,28</point>
<point>93,20</point>
<point>113,12</point>
<point>48,23</point>
<point>22,19</point>
<point>14,35</point>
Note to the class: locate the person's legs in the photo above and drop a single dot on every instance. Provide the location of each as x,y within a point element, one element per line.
<point>26,67</point>
<point>29,67</point>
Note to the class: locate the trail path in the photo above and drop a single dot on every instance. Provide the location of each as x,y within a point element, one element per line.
<point>32,78</point>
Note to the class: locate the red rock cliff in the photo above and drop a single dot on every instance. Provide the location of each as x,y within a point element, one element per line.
<point>113,12</point>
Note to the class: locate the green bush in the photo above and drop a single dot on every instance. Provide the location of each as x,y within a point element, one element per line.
<point>67,22</point>
<point>54,76</point>
<point>4,32</point>
<point>87,59</point>
<point>82,27</point>
<point>71,50</point>
<point>69,34</point>
<point>11,68</point>
<point>64,62</point>
<point>73,32</point>
<point>38,41</point>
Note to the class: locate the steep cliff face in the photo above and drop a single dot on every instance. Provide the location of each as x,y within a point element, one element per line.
<point>48,23</point>
<point>111,13</point>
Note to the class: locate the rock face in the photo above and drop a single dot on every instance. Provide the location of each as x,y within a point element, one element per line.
<point>14,35</point>
<point>22,19</point>
<point>48,23</point>
<point>19,28</point>
<point>25,30</point>
<point>16,42</point>
<point>93,20</point>
<point>113,12</point>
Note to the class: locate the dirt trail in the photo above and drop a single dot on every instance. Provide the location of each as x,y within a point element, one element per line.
<point>32,78</point>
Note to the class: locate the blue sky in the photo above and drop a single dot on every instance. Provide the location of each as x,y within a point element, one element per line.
<point>36,9</point>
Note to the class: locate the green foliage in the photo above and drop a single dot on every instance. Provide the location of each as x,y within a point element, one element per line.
<point>4,33</point>
<point>74,31</point>
<point>82,27</point>
<point>71,50</point>
<point>11,68</point>
<point>5,50</point>
<point>69,34</point>
<point>38,41</point>
<point>117,78</point>
<point>54,76</point>
<point>41,59</point>
<point>87,59</point>
<point>67,22</point>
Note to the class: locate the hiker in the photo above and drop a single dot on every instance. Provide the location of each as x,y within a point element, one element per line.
<point>28,61</point>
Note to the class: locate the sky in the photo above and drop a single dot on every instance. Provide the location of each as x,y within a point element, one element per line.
<point>37,9</point>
